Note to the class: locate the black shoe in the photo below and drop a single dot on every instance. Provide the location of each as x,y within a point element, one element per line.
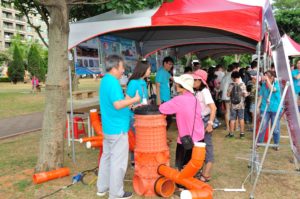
<point>126,195</point>
<point>242,135</point>
<point>229,135</point>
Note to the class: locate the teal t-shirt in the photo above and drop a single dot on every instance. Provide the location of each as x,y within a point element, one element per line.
<point>296,81</point>
<point>275,97</point>
<point>163,77</point>
<point>113,121</point>
<point>139,85</point>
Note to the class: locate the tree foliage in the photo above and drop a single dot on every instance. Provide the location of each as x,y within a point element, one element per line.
<point>36,64</point>
<point>16,68</point>
<point>287,13</point>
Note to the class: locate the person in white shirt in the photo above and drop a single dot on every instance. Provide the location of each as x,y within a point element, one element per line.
<point>208,113</point>
<point>224,87</point>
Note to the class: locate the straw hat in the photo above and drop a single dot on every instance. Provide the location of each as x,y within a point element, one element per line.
<point>186,81</point>
<point>202,75</point>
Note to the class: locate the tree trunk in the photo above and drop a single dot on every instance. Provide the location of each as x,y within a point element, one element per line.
<point>52,144</point>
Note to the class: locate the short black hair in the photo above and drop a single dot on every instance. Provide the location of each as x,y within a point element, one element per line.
<point>188,69</point>
<point>235,75</point>
<point>253,64</point>
<point>168,59</point>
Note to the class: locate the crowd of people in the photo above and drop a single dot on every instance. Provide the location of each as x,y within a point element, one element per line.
<point>201,96</point>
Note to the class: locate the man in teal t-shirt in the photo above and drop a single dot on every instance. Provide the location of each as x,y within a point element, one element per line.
<point>115,117</point>
<point>162,80</point>
<point>296,78</point>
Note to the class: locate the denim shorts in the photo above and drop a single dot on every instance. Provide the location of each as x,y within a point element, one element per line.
<point>209,155</point>
<point>237,113</point>
<point>252,108</point>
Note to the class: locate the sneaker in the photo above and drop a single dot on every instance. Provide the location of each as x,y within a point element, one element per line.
<point>242,135</point>
<point>101,194</point>
<point>229,135</point>
<point>126,195</point>
<point>276,148</point>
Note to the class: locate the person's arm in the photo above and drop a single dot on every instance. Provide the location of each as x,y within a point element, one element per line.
<point>213,110</point>
<point>169,107</point>
<point>269,84</point>
<point>127,101</point>
<point>158,100</point>
<point>229,90</point>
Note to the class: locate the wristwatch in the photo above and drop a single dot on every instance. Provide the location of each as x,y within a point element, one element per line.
<point>210,122</point>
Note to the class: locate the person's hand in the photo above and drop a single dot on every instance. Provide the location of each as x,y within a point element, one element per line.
<point>137,97</point>
<point>209,128</point>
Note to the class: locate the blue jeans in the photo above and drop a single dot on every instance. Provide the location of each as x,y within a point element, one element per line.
<point>276,135</point>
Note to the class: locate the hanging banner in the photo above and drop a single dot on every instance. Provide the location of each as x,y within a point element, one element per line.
<point>115,45</point>
<point>87,58</point>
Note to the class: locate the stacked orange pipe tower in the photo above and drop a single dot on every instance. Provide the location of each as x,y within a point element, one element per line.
<point>151,150</point>
<point>198,189</point>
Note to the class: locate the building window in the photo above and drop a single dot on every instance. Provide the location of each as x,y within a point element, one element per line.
<point>7,25</point>
<point>20,27</point>
<point>30,37</point>
<point>6,4</point>
<point>19,17</point>
<point>7,44</point>
<point>8,35</point>
<point>7,15</point>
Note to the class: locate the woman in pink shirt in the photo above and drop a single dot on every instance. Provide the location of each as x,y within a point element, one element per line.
<point>188,116</point>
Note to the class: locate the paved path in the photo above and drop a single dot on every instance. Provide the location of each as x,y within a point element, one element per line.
<point>20,124</point>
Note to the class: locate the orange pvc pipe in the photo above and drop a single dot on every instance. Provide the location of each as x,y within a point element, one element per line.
<point>185,177</point>
<point>94,138</point>
<point>131,140</point>
<point>196,162</point>
<point>50,175</point>
<point>94,143</point>
<point>194,194</point>
<point>95,121</point>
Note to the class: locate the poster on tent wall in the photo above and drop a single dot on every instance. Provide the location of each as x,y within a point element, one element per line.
<point>109,45</point>
<point>87,58</point>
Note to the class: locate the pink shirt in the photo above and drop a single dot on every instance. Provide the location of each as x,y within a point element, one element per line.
<point>184,108</point>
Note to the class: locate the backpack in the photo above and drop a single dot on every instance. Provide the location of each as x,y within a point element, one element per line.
<point>235,95</point>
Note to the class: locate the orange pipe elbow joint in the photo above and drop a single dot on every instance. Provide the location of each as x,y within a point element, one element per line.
<point>200,189</point>
<point>196,162</point>
<point>50,175</point>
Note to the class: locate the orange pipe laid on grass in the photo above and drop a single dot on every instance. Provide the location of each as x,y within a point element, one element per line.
<point>50,175</point>
<point>185,177</point>
<point>194,194</point>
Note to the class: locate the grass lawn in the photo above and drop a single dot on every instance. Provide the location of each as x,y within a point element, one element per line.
<point>19,155</point>
<point>17,99</point>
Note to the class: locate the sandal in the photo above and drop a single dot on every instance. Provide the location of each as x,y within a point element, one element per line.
<point>205,178</point>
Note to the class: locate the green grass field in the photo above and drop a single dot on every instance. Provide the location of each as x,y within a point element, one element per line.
<point>18,156</point>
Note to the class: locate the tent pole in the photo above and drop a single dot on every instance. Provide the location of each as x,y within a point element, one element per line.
<point>71,114</point>
<point>269,139</point>
<point>255,111</point>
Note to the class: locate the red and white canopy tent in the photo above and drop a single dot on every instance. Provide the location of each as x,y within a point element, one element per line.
<point>194,23</point>
<point>178,23</point>
<point>291,47</point>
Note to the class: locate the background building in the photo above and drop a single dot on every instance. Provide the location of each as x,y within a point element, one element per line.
<point>11,23</point>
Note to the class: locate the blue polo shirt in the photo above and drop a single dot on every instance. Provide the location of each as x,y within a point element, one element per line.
<point>296,81</point>
<point>113,121</point>
<point>275,97</point>
<point>163,77</point>
<point>139,85</point>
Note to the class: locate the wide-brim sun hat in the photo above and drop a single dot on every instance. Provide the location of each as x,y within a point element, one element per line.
<point>186,81</point>
<point>202,75</point>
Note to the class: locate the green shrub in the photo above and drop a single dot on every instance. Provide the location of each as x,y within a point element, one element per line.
<point>4,79</point>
